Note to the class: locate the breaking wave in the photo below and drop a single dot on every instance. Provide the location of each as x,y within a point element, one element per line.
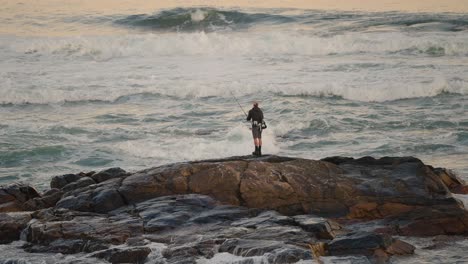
<point>199,19</point>
<point>211,19</point>
<point>240,44</point>
<point>439,87</point>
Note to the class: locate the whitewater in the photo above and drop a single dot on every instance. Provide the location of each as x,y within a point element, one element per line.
<point>93,91</point>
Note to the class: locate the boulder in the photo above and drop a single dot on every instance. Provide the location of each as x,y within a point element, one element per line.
<point>11,225</point>
<point>69,182</point>
<point>123,255</point>
<point>359,243</point>
<point>14,196</point>
<point>58,182</point>
<point>452,181</point>
<point>47,199</point>
<point>108,174</point>
<point>378,247</point>
<point>102,197</point>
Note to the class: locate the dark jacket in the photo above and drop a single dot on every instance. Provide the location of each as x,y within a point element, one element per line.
<point>255,114</point>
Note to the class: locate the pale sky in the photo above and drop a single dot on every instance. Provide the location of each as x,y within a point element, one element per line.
<point>111,6</point>
<point>29,16</point>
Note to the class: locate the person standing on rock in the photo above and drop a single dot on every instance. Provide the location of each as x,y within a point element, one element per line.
<point>256,117</point>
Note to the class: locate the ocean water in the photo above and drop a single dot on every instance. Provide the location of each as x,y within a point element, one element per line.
<point>161,87</point>
<point>89,91</point>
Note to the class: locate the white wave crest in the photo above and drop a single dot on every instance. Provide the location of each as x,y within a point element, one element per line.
<point>252,43</point>
<point>192,65</point>
<point>385,90</point>
<point>198,15</point>
<point>237,142</point>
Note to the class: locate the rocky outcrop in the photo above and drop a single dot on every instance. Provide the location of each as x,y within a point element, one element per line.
<point>191,226</point>
<point>277,208</point>
<point>365,188</point>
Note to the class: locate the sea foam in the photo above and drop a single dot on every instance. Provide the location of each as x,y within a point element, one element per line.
<point>240,44</point>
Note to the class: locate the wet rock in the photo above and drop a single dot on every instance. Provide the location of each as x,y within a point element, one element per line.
<point>48,199</point>
<point>66,246</point>
<point>124,255</point>
<point>108,174</point>
<point>269,207</point>
<point>223,213</point>
<point>11,225</point>
<point>450,179</point>
<point>51,224</point>
<point>399,247</point>
<point>184,253</point>
<point>14,196</point>
<point>321,227</point>
<point>365,188</point>
<point>102,197</point>
<point>289,255</point>
<point>359,244</point>
<point>82,182</point>
<point>277,251</point>
<point>58,182</point>
<point>170,211</point>
<point>378,247</point>
<point>266,218</point>
<point>454,225</point>
<point>107,200</point>
<point>442,241</point>
<point>288,234</point>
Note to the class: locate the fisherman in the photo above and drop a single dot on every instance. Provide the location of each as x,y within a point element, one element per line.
<point>256,115</point>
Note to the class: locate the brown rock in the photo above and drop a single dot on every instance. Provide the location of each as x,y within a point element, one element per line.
<point>48,199</point>
<point>394,209</point>
<point>11,225</point>
<point>366,210</point>
<point>450,179</point>
<point>373,210</point>
<point>108,174</point>
<point>365,188</point>
<point>436,226</point>
<point>142,186</point>
<point>399,247</point>
<point>124,255</point>
<point>13,206</point>
<point>14,196</point>
<point>63,224</point>
<point>263,185</point>
<point>220,181</point>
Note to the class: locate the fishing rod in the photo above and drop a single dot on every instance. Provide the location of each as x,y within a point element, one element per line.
<point>238,103</point>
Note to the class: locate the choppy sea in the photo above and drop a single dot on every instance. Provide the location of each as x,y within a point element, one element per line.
<point>161,87</point>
